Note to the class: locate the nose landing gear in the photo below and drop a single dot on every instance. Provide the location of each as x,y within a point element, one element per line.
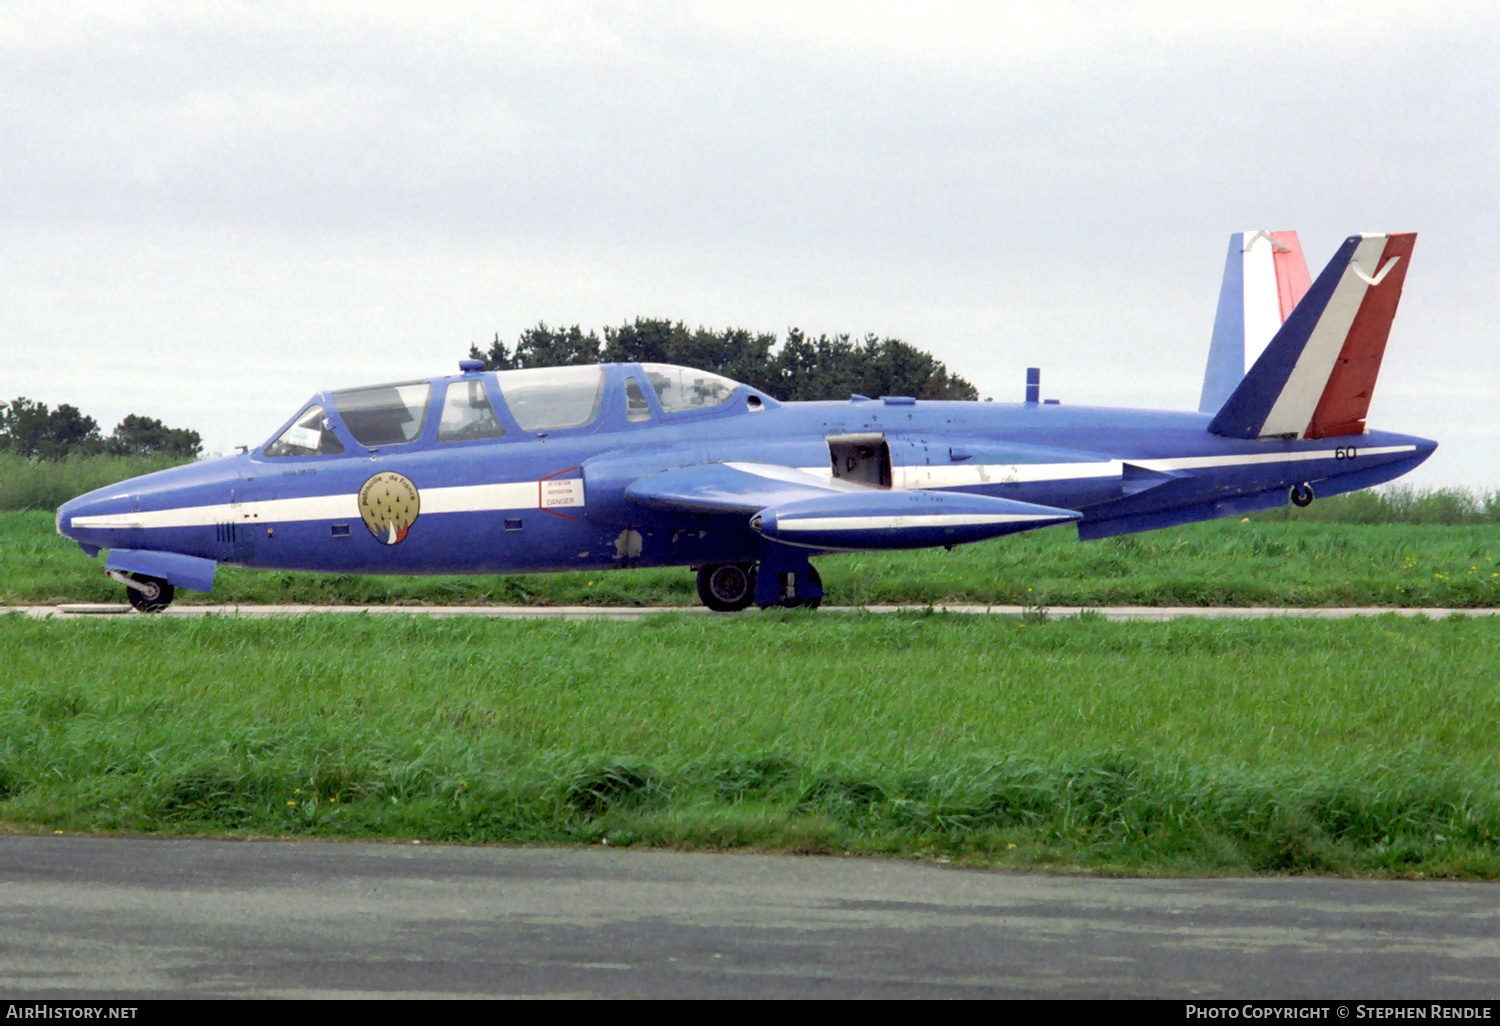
<point>146,594</point>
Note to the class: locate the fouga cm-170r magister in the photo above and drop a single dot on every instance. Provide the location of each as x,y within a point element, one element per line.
<point>568,468</point>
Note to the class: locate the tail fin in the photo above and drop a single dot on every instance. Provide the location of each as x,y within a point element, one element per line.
<point>1265,277</point>
<point>1315,378</point>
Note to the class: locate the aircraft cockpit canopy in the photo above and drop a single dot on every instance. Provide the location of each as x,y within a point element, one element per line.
<point>552,398</point>
<point>384,414</point>
<point>540,399</point>
<point>682,388</point>
<point>555,398</point>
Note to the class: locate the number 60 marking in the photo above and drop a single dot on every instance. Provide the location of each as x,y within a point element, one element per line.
<point>1342,453</point>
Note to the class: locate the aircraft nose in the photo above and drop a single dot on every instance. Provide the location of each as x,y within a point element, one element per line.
<point>86,519</point>
<point>65,514</point>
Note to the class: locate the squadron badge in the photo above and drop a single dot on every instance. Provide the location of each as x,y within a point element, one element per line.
<point>389,504</point>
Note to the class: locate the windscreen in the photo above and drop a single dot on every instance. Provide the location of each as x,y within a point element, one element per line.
<point>309,435</point>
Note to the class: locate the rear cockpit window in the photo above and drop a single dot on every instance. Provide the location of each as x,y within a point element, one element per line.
<point>311,434</point>
<point>681,388</point>
<point>384,414</point>
<point>468,414</point>
<point>552,398</point>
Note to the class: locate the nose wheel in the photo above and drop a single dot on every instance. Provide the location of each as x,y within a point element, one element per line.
<point>146,594</point>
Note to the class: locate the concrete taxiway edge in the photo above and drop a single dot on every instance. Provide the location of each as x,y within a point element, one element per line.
<point>73,611</point>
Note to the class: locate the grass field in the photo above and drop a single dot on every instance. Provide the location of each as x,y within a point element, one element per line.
<point>1219,747</point>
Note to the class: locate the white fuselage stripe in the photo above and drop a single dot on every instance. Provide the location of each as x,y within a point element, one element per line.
<point>515,495</point>
<point>1250,459</point>
<point>960,475</point>
<point>902,521</point>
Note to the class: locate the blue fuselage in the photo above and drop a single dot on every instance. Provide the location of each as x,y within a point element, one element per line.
<point>537,501</point>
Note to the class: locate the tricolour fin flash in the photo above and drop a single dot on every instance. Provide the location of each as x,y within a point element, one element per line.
<point>1265,277</point>
<point>1315,378</point>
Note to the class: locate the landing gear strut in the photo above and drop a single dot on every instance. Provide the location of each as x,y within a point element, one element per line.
<point>798,589</point>
<point>787,579</point>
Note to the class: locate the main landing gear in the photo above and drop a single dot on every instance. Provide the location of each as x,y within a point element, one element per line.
<point>727,587</point>
<point>730,587</point>
<point>146,594</point>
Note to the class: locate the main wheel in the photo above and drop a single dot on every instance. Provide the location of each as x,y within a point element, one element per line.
<point>153,596</point>
<point>727,587</point>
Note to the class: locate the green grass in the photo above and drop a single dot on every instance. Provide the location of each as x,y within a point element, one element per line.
<point>1190,746</point>
<point>1398,504</point>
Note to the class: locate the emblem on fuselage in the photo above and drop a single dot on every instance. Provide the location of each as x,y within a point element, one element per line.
<point>389,504</point>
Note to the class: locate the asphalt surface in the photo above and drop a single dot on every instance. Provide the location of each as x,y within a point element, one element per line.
<point>131,919</point>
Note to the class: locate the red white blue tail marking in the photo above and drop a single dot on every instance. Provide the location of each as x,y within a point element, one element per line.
<point>1315,378</point>
<point>1265,277</point>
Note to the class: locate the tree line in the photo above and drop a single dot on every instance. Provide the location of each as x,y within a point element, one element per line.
<point>35,431</point>
<point>803,368</point>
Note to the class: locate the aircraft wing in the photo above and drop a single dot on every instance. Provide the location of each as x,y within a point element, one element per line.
<point>798,508</point>
<point>732,488</point>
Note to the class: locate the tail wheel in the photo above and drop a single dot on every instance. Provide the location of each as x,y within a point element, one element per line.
<point>727,587</point>
<point>151,594</point>
<point>1301,495</point>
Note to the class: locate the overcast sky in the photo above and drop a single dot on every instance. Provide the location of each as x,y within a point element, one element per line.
<point>213,209</point>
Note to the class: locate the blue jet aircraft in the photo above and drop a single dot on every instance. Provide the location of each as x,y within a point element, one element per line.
<point>591,467</point>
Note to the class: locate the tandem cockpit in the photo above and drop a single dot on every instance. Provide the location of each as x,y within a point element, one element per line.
<point>480,406</point>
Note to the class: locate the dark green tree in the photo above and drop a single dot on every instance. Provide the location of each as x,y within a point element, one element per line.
<point>647,340</point>
<point>33,430</point>
<point>541,346</point>
<point>566,347</point>
<point>497,358</point>
<point>820,368</point>
<point>802,369</point>
<point>735,353</point>
<point>146,436</point>
<point>891,367</point>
